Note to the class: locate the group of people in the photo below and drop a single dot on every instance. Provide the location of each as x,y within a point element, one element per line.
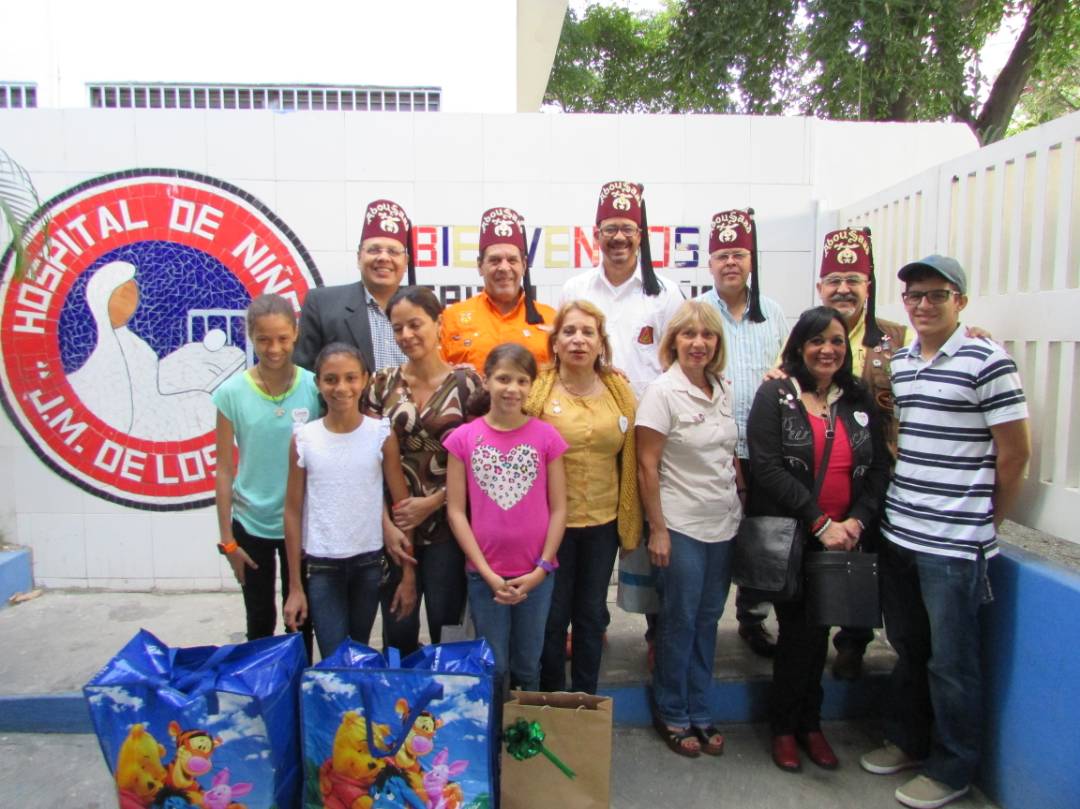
<point>502,453</point>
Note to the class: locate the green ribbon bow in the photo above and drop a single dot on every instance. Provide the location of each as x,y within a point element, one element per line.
<point>526,739</point>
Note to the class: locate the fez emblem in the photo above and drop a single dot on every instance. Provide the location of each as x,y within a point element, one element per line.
<point>847,255</point>
<point>621,203</point>
<point>503,228</point>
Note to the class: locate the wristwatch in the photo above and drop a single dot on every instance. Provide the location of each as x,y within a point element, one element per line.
<point>226,548</point>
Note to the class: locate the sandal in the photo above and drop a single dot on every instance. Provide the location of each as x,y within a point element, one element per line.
<point>675,740</point>
<point>706,735</point>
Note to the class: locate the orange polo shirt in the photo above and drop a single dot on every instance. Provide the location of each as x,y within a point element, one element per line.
<point>471,328</point>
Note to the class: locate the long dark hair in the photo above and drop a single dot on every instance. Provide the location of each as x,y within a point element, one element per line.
<point>421,297</point>
<point>811,323</point>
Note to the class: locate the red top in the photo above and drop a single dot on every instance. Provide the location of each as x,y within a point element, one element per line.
<point>835,496</point>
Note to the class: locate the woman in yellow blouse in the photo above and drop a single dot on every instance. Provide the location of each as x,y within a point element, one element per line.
<point>592,407</point>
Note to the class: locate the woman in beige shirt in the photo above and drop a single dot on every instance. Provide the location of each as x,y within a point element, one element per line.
<point>593,409</point>
<point>690,486</point>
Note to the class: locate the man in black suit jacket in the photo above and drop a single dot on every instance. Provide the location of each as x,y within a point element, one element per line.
<point>356,313</point>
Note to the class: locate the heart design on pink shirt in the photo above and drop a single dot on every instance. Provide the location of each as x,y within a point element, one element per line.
<point>505,478</point>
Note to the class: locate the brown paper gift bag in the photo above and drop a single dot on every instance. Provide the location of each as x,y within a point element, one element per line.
<point>577,729</point>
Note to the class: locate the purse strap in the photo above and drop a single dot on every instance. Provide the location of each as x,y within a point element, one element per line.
<point>830,433</point>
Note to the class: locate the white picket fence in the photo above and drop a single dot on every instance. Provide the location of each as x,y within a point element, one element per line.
<point>1010,213</point>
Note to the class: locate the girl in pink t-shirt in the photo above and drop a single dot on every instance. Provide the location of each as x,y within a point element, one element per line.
<point>508,467</point>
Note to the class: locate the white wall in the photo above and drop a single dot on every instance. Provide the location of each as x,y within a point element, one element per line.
<point>317,171</point>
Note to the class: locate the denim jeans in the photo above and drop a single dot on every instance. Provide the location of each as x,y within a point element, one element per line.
<point>586,557</point>
<point>516,633</point>
<point>934,711</point>
<point>440,582</point>
<point>260,584</point>
<point>693,589</point>
<point>343,597</point>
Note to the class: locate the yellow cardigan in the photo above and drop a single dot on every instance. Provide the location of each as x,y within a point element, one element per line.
<point>629,517</point>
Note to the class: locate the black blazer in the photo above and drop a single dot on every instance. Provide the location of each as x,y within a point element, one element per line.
<point>335,314</point>
<point>782,455</point>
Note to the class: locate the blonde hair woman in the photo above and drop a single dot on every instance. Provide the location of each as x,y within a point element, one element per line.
<point>691,486</point>
<point>592,407</point>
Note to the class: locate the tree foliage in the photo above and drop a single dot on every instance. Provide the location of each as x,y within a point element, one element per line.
<point>870,60</point>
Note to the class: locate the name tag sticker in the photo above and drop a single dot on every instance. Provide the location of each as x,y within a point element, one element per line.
<point>861,418</point>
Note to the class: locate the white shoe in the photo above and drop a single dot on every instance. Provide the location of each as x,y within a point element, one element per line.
<point>922,792</point>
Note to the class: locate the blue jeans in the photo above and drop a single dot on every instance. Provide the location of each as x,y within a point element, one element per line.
<point>343,597</point>
<point>693,589</point>
<point>516,633</point>
<point>440,582</point>
<point>931,605</point>
<point>586,557</point>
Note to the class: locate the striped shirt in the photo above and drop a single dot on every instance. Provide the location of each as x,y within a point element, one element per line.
<point>387,353</point>
<point>940,498</point>
<point>752,349</point>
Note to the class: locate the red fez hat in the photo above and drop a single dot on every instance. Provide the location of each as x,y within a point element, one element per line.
<point>502,226</point>
<point>621,200</point>
<point>846,250</point>
<point>386,219</point>
<point>732,229</point>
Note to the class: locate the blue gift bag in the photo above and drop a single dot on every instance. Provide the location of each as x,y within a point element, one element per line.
<point>215,727</point>
<point>414,734</point>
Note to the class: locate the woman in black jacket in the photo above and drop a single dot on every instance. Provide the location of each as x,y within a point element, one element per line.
<point>790,424</point>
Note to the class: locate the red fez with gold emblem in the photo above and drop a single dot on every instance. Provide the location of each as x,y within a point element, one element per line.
<point>387,220</point>
<point>846,250</point>
<point>620,200</point>
<point>730,230</point>
<point>502,226</point>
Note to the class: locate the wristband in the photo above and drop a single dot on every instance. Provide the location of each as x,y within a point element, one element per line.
<point>225,548</point>
<point>818,524</point>
<point>546,566</point>
<point>823,528</point>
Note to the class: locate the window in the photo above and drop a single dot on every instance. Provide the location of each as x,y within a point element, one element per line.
<point>16,95</point>
<point>126,95</point>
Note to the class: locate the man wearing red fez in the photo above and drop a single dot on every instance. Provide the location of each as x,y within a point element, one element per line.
<point>754,332</point>
<point>356,313</point>
<point>637,305</point>
<point>505,311</point>
<point>636,302</point>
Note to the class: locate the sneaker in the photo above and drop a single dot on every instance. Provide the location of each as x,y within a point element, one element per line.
<point>888,759</point>
<point>926,793</point>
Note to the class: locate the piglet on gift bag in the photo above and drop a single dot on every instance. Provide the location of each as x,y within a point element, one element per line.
<point>212,727</point>
<point>414,733</point>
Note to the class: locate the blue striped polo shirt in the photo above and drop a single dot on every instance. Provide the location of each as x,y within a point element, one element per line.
<point>940,498</point>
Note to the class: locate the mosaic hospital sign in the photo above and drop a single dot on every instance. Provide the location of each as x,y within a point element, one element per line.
<point>134,313</point>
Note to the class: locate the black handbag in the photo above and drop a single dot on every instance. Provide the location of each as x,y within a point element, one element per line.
<point>768,562</point>
<point>842,589</point>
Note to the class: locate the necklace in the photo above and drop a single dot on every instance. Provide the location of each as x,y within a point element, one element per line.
<point>556,407</point>
<point>277,400</point>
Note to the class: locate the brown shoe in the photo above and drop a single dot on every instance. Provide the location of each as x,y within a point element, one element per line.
<point>817,748</point>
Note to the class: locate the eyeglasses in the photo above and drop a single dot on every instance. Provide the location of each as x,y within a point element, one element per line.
<point>626,230</point>
<point>935,296</point>
<point>850,280</point>
<point>727,255</point>
<point>375,252</point>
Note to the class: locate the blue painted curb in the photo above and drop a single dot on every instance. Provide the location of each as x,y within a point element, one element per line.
<point>16,574</point>
<point>45,713</point>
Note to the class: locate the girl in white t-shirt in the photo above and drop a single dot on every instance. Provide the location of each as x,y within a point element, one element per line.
<point>334,502</point>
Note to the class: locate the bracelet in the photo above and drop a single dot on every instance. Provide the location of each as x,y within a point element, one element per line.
<point>546,566</point>
<point>225,548</point>
<point>824,527</point>
<point>817,524</point>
